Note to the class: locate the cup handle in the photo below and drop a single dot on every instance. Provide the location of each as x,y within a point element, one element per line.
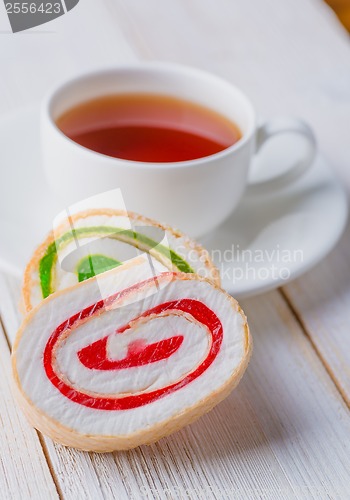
<point>277,126</point>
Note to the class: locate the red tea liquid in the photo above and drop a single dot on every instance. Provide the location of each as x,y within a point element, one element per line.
<point>148,128</point>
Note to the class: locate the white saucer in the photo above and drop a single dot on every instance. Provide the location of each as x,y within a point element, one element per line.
<point>270,239</point>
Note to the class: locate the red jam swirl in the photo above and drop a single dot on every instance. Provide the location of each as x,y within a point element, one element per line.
<point>137,355</point>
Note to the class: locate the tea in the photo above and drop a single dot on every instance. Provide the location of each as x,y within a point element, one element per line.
<point>148,128</point>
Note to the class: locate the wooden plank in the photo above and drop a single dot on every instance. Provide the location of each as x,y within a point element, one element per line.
<point>284,432</point>
<point>292,397</point>
<point>24,472</point>
<point>321,300</point>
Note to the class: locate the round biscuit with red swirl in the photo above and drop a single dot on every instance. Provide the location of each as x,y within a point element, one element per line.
<point>128,357</point>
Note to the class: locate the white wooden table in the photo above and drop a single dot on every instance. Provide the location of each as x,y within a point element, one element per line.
<point>285,432</point>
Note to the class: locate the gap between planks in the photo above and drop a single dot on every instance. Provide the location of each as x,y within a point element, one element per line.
<point>2,327</point>
<point>313,344</point>
<point>50,465</point>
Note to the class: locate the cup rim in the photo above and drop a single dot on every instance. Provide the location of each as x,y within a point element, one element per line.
<point>65,84</point>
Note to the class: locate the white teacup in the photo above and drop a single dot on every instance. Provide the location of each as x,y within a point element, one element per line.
<point>195,195</point>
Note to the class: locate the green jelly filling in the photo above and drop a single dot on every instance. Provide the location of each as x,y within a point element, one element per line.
<point>96,264</point>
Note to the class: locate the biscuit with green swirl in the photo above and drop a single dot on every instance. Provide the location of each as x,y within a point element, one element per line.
<point>97,240</point>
